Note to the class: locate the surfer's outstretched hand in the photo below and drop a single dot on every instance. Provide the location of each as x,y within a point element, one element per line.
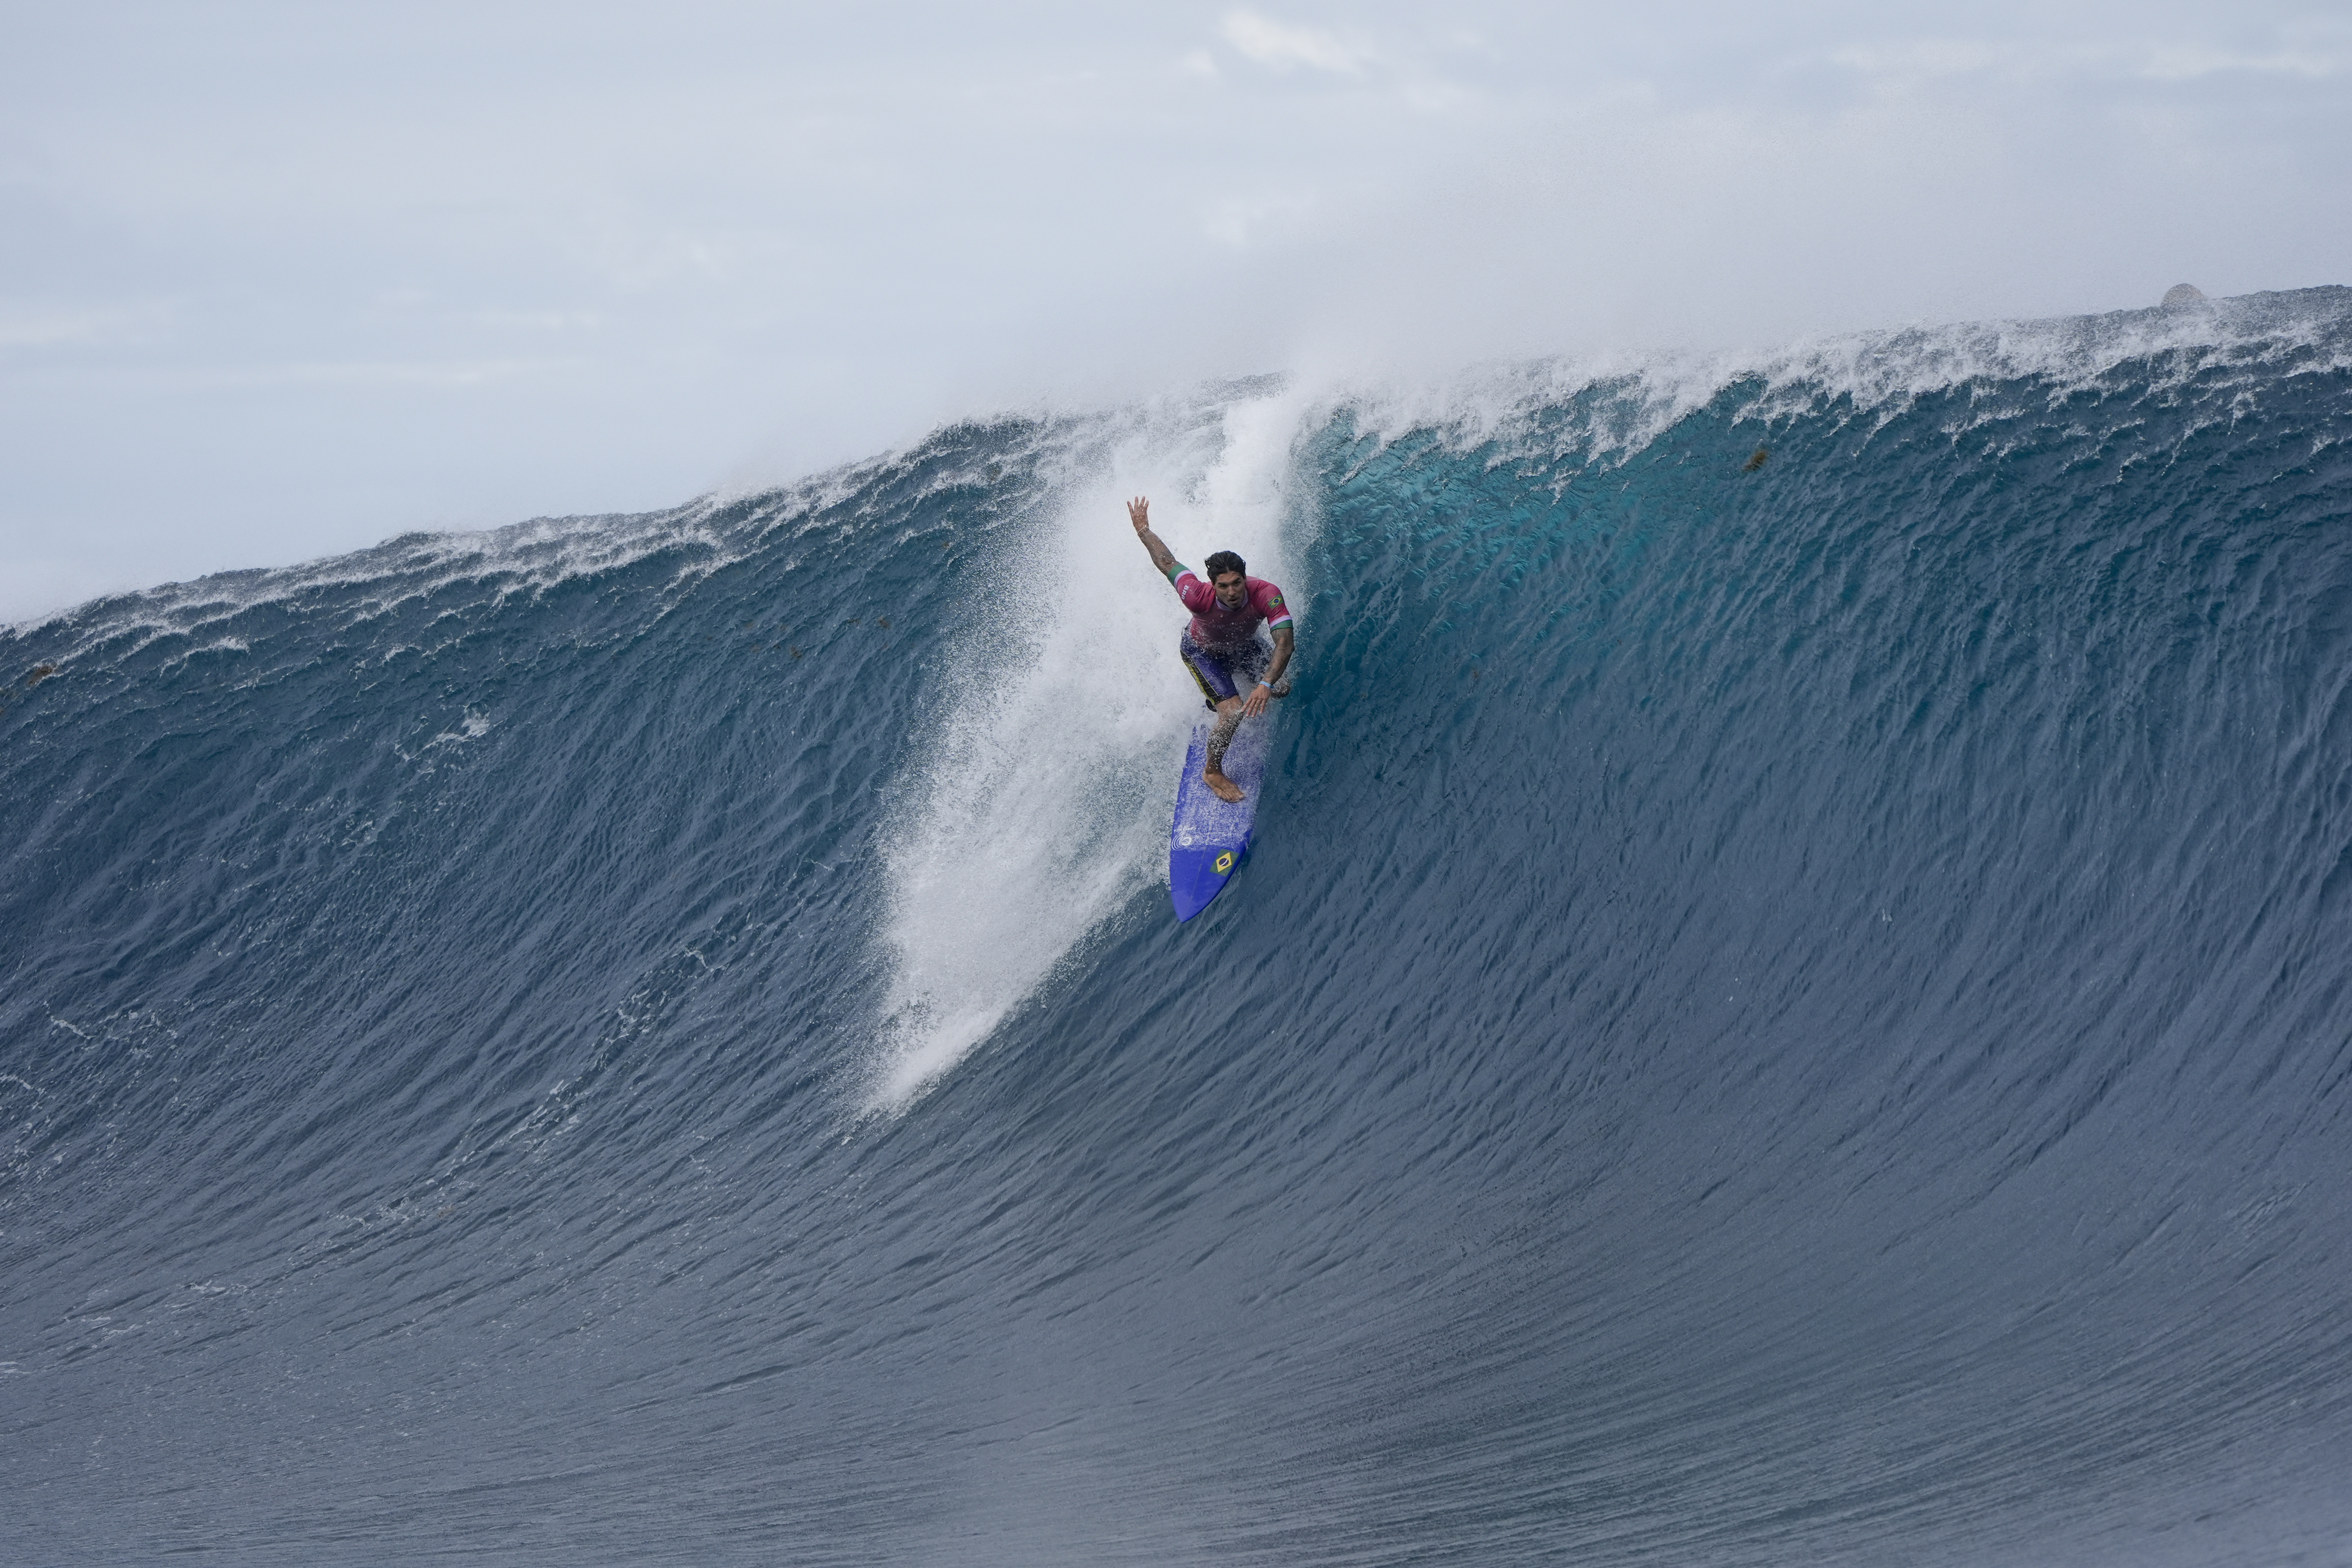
<point>1138,512</point>
<point>1255,704</point>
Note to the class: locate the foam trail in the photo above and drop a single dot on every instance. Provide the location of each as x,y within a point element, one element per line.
<point>1042,806</point>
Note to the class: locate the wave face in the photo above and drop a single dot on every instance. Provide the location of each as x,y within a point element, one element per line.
<point>1782,1013</point>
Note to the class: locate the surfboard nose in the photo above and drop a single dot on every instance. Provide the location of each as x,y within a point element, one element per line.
<point>1197,875</point>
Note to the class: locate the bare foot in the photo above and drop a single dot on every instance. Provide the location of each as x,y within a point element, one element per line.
<point>1227,791</point>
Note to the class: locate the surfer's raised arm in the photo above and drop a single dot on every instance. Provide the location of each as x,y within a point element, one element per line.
<point>1138,512</point>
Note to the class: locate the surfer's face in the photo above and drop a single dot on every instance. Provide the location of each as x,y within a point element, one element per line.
<point>1233,588</point>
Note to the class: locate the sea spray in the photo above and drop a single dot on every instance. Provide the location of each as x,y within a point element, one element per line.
<point>1041,799</point>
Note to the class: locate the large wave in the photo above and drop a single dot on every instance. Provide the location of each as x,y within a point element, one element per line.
<point>1788,1006</point>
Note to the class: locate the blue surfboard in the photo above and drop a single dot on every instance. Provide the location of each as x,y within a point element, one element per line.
<point>1208,840</point>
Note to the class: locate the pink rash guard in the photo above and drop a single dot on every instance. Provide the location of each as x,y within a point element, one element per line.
<point>1215,627</point>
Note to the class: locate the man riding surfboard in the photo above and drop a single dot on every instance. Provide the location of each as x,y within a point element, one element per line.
<point>1220,646</point>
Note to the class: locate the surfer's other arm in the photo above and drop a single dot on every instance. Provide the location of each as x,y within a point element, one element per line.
<point>1138,512</point>
<point>1271,683</point>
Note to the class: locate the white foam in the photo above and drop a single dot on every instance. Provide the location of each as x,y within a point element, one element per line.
<point>1041,806</point>
<point>1877,373</point>
<point>474,726</point>
<point>522,557</point>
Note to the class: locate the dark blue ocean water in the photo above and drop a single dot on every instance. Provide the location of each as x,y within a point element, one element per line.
<point>1780,1014</point>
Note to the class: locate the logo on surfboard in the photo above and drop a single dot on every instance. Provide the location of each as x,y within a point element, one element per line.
<point>1224,862</point>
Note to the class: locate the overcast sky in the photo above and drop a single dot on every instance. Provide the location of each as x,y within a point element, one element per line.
<point>280,281</point>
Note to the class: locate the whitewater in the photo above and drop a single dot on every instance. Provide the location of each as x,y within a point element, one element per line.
<point>1787,1008</point>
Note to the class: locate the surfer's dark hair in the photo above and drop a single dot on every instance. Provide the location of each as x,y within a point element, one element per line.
<point>1224,561</point>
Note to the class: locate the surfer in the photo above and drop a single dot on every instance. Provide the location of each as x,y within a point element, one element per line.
<point>1220,647</point>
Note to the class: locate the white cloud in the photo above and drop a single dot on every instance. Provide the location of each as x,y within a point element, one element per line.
<point>2191,63</point>
<point>1280,45</point>
<point>1240,222</point>
<point>2026,61</point>
<point>1921,57</point>
<point>43,326</point>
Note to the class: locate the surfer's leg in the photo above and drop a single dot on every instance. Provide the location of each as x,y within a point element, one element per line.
<point>1229,719</point>
<point>1215,672</point>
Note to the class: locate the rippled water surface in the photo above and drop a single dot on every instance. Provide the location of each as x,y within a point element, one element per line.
<point>1782,1011</point>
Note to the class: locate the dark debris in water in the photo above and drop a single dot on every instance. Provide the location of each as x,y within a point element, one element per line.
<point>1762,456</point>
